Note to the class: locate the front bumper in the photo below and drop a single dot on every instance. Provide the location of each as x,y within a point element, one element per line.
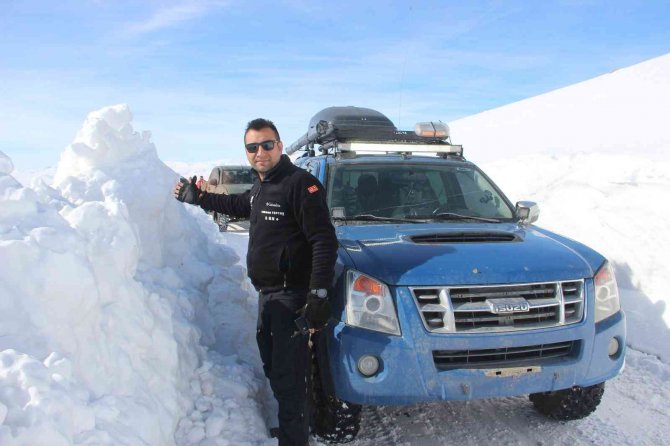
<point>409,374</point>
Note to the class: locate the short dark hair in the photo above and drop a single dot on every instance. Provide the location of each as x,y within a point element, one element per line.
<point>259,124</point>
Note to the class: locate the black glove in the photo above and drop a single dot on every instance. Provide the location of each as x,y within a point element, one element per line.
<point>316,312</point>
<point>189,192</point>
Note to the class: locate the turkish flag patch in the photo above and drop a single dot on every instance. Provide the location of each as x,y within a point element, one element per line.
<point>312,189</point>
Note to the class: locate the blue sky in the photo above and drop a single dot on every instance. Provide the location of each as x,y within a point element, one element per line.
<point>194,72</point>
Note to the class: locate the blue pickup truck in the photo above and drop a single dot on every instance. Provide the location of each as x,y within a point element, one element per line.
<point>444,289</point>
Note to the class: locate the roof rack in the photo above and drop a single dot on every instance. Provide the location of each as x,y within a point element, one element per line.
<point>357,129</point>
<point>387,147</point>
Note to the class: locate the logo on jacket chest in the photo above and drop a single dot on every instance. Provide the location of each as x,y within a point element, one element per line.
<point>272,211</point>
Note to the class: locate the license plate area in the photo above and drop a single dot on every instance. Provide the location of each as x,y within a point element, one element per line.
<point>511,371</point>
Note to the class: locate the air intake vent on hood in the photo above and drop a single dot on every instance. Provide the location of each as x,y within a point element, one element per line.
<point>466,237</point>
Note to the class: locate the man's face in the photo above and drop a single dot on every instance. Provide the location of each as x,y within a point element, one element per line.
<point>263,160</point>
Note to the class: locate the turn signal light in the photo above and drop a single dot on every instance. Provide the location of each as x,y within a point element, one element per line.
<point>367,285</point>
<point>604,276</point>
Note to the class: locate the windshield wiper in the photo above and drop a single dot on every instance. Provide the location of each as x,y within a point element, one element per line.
<point>370,217</point>
<point>453,216</point>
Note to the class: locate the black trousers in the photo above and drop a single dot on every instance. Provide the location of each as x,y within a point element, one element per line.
<point>284,354</point>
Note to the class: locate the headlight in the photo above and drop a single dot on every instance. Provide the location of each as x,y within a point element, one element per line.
<point>369,304</point>
<point>607,293</point>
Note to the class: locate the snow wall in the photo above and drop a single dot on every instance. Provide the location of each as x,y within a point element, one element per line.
<point>622,112</point>
<point>109,293</point>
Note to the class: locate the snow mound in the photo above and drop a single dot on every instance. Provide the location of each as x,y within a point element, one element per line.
<point>105,139</point>
<point>104,300</point>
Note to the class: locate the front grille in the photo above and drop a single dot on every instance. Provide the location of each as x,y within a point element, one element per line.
<point>498,308</point>
<point>506,356</point>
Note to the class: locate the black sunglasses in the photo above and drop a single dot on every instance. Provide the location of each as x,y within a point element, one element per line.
<point>266,145</point>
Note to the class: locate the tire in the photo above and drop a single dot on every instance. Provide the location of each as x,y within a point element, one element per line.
<point>334,421</point>
<point>569,404</point>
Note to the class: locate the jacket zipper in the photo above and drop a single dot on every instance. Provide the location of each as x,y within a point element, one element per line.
<point>253,198</point>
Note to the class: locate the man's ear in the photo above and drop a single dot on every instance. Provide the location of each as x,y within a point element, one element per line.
<point>281,146</point>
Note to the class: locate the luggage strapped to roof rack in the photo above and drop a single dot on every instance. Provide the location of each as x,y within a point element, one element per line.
<point>363,130</point>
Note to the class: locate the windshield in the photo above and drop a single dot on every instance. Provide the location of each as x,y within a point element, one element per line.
<point>237,176</point>
<point>414,191</point>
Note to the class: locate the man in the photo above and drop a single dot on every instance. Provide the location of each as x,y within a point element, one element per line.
<point>290,261</point>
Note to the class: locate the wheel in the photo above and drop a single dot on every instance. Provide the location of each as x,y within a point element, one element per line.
<point>334,421</point>
<point>569,404</point>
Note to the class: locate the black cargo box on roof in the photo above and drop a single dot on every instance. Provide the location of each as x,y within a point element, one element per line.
<point>353,120</point>
<point>349,124</point>
<point>343,123</point>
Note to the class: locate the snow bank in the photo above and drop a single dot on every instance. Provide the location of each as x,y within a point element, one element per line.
<point>620,112</point>
<point>105,304</point>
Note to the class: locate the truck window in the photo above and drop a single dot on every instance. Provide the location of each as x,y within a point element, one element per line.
<point>239,176</point>
<point>478,194</point>
<point>394,190</point>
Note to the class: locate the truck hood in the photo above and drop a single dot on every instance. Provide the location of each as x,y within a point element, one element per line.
<point>465,254</point>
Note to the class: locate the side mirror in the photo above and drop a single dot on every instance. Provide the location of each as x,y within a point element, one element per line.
<point>527,212</point>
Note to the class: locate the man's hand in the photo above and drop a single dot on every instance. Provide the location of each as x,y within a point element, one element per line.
<point>316,312</point>
<point>186,192</point>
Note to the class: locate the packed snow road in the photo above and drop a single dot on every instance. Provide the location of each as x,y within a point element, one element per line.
<point>635,410</point>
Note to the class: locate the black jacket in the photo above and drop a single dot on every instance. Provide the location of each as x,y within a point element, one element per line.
<point>292,242</point>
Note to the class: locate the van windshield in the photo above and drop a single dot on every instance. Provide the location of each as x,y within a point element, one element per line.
<point>406,191</point>
<point>237,176</point>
